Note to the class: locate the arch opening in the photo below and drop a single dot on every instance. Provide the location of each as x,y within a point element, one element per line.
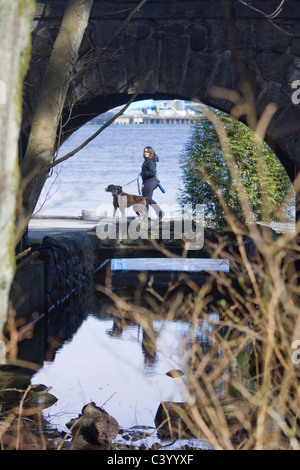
<point>85,111</point>
<point>106,150</point>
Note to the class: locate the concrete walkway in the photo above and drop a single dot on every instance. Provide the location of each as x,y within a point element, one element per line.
<point>40,227</point>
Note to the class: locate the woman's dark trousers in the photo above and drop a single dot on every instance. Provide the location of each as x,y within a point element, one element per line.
<point>147,191</point>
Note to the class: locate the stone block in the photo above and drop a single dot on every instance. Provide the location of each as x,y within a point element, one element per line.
<point>27,290</point>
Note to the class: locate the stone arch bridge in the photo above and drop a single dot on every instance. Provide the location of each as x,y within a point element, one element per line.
<point>190,46</point>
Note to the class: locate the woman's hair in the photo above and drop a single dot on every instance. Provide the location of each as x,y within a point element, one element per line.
<point>152,153</point>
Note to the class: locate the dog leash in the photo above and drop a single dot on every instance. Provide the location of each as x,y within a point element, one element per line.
<point>138,183</point>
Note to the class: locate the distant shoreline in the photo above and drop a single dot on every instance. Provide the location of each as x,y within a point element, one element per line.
<point>143,120</point>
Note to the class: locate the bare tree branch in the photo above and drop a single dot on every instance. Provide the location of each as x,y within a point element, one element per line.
<point>136,10</point>
<point>110,121</point>
<point>271,17</point>
<point>92,61</point>
<point>275,13</point>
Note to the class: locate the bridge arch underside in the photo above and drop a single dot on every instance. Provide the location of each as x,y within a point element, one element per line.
<point>189,47</point>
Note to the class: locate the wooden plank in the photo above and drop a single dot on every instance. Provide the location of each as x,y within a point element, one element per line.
<point>170,264</point>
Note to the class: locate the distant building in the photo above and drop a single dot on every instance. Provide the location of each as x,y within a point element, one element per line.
<point>155,112</point>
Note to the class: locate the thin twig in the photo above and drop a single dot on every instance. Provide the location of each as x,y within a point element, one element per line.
<point>110,121</point>
<point>124,24</point>
<point>271,16</point>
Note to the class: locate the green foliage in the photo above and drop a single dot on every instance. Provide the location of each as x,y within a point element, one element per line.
<point>265,180</point>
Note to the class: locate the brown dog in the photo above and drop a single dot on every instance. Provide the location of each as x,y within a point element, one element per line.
<point>122,200</point>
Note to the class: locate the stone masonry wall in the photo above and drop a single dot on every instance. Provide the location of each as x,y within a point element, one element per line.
<point>64,265</point>
<point>68,264</point>
<point>190,47</point>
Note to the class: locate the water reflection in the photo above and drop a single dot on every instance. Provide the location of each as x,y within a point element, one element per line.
<point>119,354</point>
<point>38,340</point>
<point>114,361</point>
<point>146,337</point>
<point>149,349</point>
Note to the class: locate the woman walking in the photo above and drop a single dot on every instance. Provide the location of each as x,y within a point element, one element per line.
<point>149,178</point>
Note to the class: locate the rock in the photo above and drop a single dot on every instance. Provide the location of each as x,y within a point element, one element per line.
<point>95,425</point>
<point>174,373</point>
<point>39,397</point>
<point>177,420</point>
<point>173,420</point>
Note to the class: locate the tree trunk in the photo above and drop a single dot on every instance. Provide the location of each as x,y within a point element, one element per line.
<point>15,41</point>
<point>42,140</point>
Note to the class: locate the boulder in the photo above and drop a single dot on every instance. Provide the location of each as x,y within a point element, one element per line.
<point>95,425</point>
<point>173,420</point>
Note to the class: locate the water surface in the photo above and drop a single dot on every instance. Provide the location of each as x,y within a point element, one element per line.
<point>114,157</point>
<point>108,363</point>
